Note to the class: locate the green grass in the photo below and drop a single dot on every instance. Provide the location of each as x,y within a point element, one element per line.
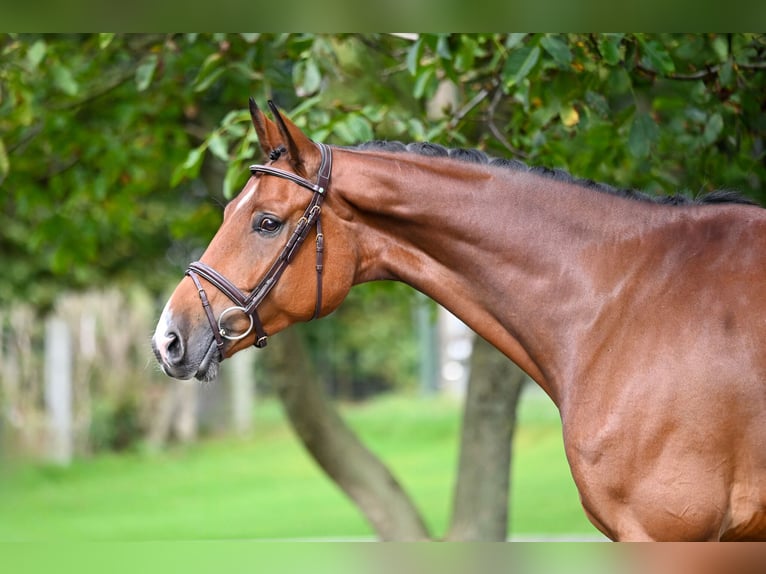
<point>265,486</point>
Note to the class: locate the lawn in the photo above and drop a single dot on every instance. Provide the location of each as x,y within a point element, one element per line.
<point>266,487</point>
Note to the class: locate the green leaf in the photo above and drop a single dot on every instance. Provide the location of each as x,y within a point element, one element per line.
<point>236,117</point>
<point>353,129</point>
<point>713,129</point>
<point>61,261</point>
<point>598,103</point>
<point>209,79</point>
<point>194,157</point>
<point>145,72</point>
<point>105,39</point>
<point>236,123</point>
<point>514,40</point>
<point>726,74</point>
<point>209,72</point>
<point>233,180</point>
<point>609,46</point>
<point>302,107</point>
<point>519,64</point>
<point>442,47</point>
<point>558,49</point>
<point>36,53</point>
<point>64,81</point>
<point>413,56</point>
<point>466,54</point>
<point>306,78</point>
<point>658,58</point>
<point>643,132</point>
<point>424,81</point>
<point>178,174</point>
<point>721,48</point>
<point>190,167</point>
<point>217,147</point>
<point>618,81</point>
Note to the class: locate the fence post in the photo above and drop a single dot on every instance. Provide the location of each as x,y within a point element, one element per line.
<point>428,350</point>
<point>58,390</point>
<point>241,377</point>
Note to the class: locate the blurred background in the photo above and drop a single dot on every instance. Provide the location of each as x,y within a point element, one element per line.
<point>117,155</point>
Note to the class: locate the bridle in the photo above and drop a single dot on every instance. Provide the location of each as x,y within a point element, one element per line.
<point>248,304</point>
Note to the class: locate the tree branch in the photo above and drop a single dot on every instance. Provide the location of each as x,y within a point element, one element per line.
<point>462,112</point>
<point>707,72</point>
<point>494,129</point>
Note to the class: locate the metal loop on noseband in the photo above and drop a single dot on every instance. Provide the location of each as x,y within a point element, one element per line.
<point>222,329</point>
<point>249,303</point>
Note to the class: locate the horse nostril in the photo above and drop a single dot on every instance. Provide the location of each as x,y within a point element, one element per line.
<point>174,348</point>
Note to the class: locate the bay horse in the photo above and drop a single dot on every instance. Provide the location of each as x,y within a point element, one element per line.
<point>643,320</point>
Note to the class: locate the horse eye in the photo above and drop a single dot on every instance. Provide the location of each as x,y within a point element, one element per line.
<point>267,224</point>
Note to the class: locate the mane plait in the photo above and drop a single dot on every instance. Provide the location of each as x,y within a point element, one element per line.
<point>725,196</point>
<point>277,152</point>
<point>429,149</point>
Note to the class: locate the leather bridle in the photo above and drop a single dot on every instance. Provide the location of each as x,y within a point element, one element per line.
<point>248,304</point>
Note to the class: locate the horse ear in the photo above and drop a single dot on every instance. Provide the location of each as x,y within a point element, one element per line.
<point>301,150</point>
<point>267,132</point>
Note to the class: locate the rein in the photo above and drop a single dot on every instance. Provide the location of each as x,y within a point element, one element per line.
<point>247,304</point>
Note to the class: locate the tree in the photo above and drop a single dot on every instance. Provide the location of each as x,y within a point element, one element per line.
<point>85,156</point>
<point>564,101</point>
<point>112,120</point>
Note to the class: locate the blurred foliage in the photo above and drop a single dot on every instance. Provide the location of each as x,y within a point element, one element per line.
<point>116,424</point>
<point>369,346</point>
<point>118,151</point>
<point>112,146</point>
<point>658,112</point>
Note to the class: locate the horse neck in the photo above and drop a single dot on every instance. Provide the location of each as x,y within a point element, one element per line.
<point>497,247</point>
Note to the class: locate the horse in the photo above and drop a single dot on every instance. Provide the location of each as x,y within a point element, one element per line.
<point>643,320</point>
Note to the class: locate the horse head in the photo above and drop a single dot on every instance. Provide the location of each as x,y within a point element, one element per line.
<point>281,255</point>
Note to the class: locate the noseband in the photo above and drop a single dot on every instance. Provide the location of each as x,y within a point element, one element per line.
<point>247,304</point>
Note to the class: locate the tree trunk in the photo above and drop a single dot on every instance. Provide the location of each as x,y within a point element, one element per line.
<point>480,510</point>
<point>357,471</point>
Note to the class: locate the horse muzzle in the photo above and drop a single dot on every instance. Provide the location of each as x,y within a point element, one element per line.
<point>184,355</point>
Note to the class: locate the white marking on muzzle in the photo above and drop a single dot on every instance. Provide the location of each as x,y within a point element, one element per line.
<point>161,339</point>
